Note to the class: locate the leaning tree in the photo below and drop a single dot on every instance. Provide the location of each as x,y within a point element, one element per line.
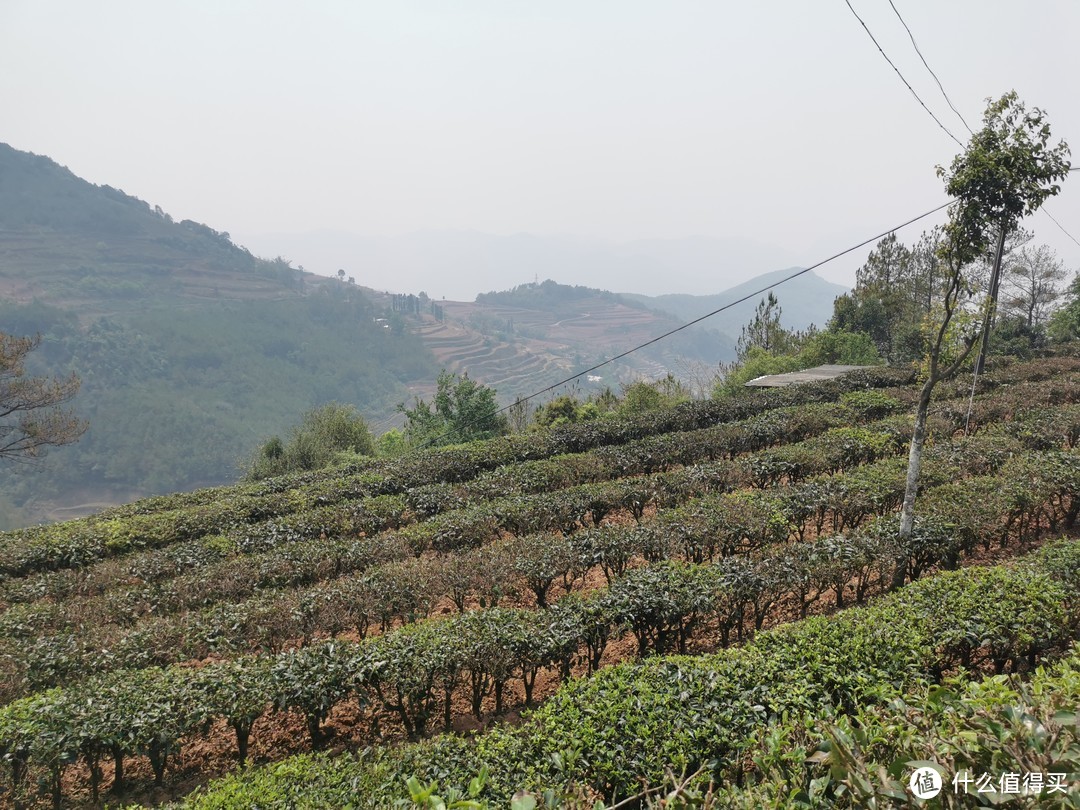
<point>1007,171</point>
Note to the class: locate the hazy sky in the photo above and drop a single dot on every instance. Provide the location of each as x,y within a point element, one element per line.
<point>777,122</point>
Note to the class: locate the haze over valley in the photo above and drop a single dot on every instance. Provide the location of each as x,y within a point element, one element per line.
<point>192,351</point>
<point>458,265</point>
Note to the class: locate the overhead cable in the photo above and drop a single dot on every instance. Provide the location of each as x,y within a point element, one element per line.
<point>687,325</point>
<point>931,72</point>
<point>1059,224</point>
<point>901,75</point>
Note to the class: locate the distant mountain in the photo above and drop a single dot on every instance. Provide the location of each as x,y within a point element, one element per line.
<point>459,264</point>
<point>190,349</point>
<point>807,299</point>
<point>526,338</point>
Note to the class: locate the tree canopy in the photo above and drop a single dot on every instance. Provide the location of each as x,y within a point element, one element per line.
<point>764,330</point>
<point>31,419</point>
<point>1006,171</point>
<point>1065,323</point>
<point>462,410</point>
<point>324,434</point>
<point>893,295</point>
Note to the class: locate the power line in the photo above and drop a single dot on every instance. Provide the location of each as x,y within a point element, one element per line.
<point>943,93</point>
<point>1059,224</point>
<point>687,325</point>
<point>901,75</point>
<point>1062,227</point>
<point>383,423</point>
<point>923,58</point>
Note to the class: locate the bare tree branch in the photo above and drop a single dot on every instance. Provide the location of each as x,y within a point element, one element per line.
<point>31,419</point>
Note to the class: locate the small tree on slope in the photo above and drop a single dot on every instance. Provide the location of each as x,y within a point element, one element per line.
<point>1006,172</point>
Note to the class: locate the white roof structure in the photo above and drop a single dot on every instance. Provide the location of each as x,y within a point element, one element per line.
<point>827,372</point>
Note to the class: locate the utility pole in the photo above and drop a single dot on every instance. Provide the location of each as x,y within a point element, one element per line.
<point>995,280</point>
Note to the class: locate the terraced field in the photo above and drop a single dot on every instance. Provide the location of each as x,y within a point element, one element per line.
<point>515,349</point>
<point>505,366</point>
<point>708,590</point>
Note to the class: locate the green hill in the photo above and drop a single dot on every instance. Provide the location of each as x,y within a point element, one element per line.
<point>189,348</point>
<point>533,335</point>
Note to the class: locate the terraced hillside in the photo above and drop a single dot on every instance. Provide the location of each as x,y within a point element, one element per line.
<point>695,591</point>
<point>508,367</point>
<point>523,339</point>
<point>184,341</point>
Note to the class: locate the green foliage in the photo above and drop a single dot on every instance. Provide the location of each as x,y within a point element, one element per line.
<point>391,444</point>
<point>407,669</point>
<point>540,560</point>
<point>549,296</point>
<point>1013,337</point>
<point>661,604</point>
<point>870,404</point>
<point>1065,322</point>
<point>641,396</point>
<point>199,384</point>
<point>565,410</point>
<point>792,352</point>
<point>765,331</point>
<point>637,397</point>
<point>462,411</point>
<point>263,517</point>
<point>896,289</point>
<point>31,416</point>
<point>314,679</point>
<point>991,726</point>
<point>316,442</point>
<point>257,567</point>
<point>239,691</point>
<point>756,363</point>
<point>840,347</point>
<point>1006,172</point>
<point>894,293</point>
<point>425,796</point>
<point>627,723</point>
<point>184,341</point>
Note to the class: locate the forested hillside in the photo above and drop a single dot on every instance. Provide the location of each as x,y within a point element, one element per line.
<point>362,611</point>
<point>190,350</point>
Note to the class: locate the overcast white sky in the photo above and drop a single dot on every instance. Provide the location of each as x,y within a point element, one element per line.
<point>777,122</point>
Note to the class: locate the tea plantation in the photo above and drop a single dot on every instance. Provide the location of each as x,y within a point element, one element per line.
<point>701,603</point>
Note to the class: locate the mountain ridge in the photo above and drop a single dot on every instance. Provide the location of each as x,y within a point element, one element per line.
<point>805,300</point>
<point>192,350</point>
<point>459,265</point>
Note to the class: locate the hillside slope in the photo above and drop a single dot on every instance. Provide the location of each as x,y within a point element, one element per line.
<point>523,339</point>
<point>190,349</point>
